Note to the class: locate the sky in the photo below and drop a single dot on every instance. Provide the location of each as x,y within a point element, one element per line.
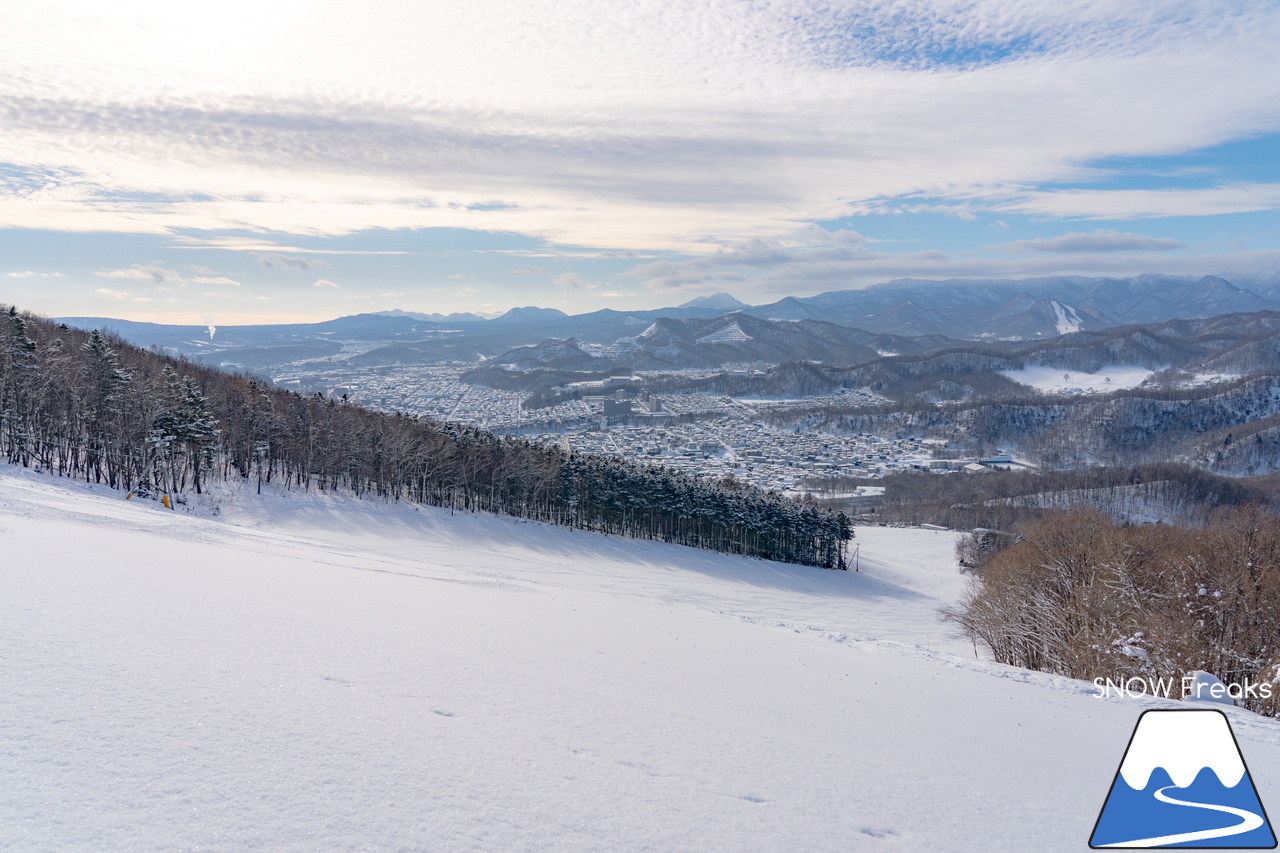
<point>295,161</point>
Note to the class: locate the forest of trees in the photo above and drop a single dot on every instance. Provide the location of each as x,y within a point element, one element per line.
<point>1073,594</point>
<point>1232,428</point>
<point>88,405</point>
<point>1173,492</point>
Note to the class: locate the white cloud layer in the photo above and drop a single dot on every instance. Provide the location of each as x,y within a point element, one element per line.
<point>144,273</point>
<point>158,274</point>
<point>278,261</point>
<point>1100,240</point>
<point>620,123</point>
<point>767,267</point>
<point>572,281</point>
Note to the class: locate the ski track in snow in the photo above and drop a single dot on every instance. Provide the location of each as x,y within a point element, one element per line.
<point>1068,320</point>
<point>312,672</point>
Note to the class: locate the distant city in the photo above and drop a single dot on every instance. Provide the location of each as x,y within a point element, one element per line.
<point>821,395</point>
<point>709,435</point>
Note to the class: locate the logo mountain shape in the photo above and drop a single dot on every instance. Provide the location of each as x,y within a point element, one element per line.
<point>1183,783</point>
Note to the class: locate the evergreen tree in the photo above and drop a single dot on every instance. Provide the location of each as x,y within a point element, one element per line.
<point>89,406</point>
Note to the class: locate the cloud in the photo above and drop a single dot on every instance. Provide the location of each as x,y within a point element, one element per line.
<point>725,265</point>
<point>530,269</point>
<point>201,270</point>
<point>817,235</point>
<point>573,281</point>
<point>32,274</point>
<point>294,263</point>
<point>159,275</point>
<point>1101,240</point>
<point>324,282</point>
<point>1145,203</point>
<point>149,274</point>
<point>804,271</point>
<point>708,121</point>
<point>114,294</point>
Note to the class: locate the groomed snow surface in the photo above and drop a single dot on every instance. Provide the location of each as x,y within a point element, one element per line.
<point>310,673</point>
<point>1055,380</point>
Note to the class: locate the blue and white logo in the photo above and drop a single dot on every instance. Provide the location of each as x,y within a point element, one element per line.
<point>1183,783</point>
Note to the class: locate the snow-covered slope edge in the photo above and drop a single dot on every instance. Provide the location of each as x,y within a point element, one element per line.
<point>307,673</point>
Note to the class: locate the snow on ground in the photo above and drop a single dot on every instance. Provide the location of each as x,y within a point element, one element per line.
<point>1056,380</point>
<point>1068,320</point>
<point>315,673</point>
<point>1202,379</point>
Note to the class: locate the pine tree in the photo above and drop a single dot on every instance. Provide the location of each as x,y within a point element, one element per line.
<point>18,375</point>
<point>107,382</point>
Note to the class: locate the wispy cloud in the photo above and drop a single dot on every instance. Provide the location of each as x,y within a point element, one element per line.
<point>324,282</point>
<point>277,261</point>
<point>1146,203</point>
<point>807,271</point>
<point>151,274</point>
<point>710,121</point>
<point>572,281</point>
<point>156,273</point>
<point>32,274</point>
<point>1100,240</point>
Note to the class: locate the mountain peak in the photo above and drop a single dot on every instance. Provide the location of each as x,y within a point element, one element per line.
<point>456,317</point>
<point>716,300</point>
<point>530,314</point>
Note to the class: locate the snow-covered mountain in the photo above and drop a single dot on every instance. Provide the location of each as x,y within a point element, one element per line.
<point>735,337</point>
<point>1022,308</point>
<point>302,672</point>
<point>456,317</point>
<point>720,301</point>
<point>979,310</point>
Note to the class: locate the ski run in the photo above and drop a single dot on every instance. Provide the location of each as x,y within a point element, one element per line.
<point>303,672</point>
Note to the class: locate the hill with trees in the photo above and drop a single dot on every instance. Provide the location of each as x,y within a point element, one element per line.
<point>88,405</point>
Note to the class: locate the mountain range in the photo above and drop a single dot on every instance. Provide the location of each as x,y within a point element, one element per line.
<point>837,326</point>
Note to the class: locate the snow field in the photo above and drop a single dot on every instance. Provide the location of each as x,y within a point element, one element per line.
<point>1058,380</point>
<point>317,673</point>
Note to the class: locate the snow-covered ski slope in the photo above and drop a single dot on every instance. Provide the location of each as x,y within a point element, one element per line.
<point>304,673</point>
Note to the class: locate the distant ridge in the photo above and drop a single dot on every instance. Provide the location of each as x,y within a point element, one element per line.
<point>719,301</point>
<point>530,314</point>
<point>456,317</point>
